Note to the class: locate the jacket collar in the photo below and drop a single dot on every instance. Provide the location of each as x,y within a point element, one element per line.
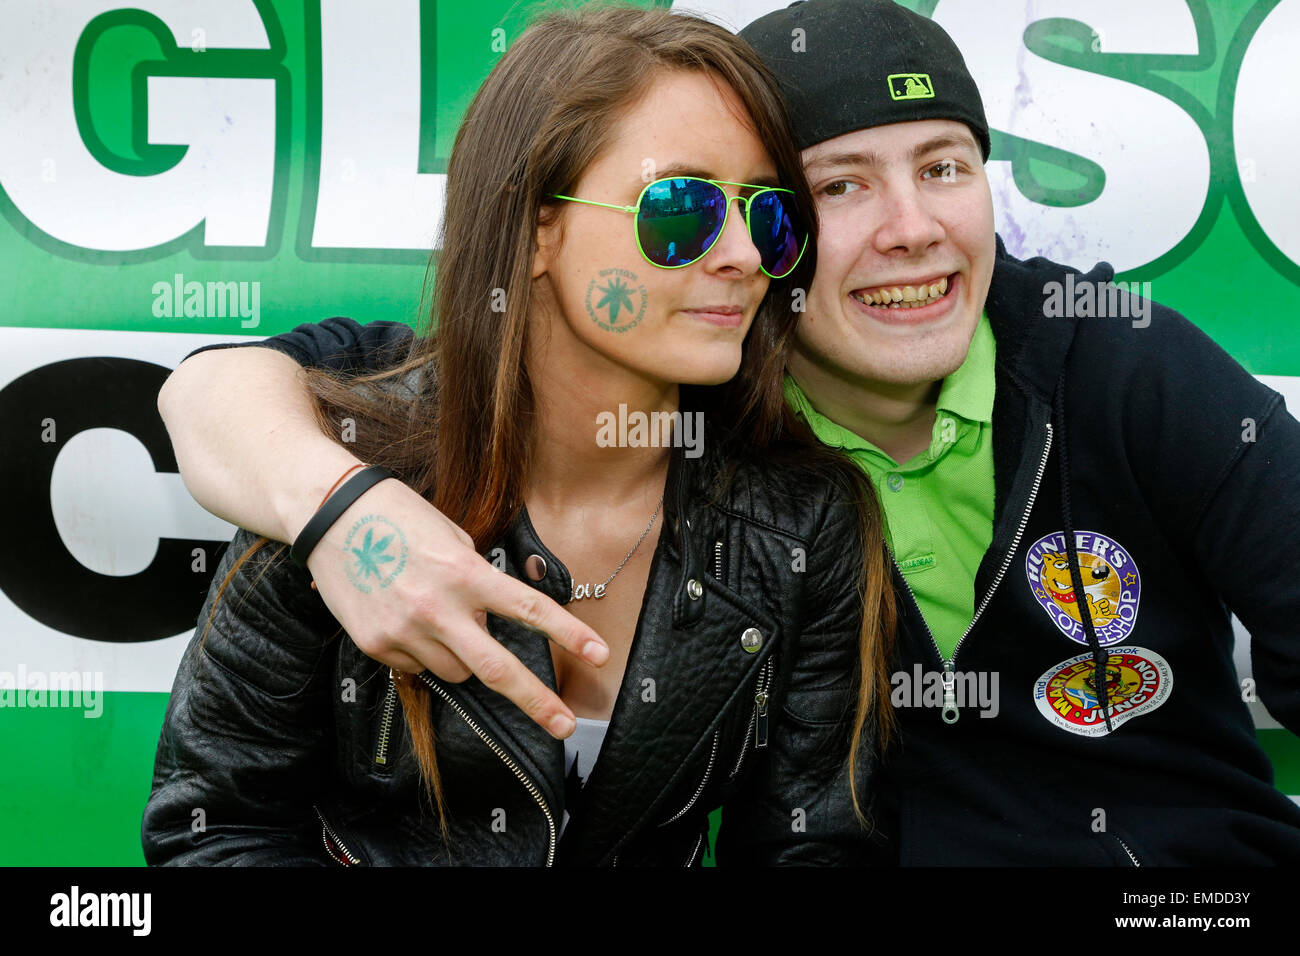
<point>525,551</point>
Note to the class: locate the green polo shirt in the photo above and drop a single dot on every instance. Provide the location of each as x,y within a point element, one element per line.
<point>939,505</point>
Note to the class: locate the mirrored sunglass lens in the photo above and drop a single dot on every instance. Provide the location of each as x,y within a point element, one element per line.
<point>679,219</point>
<point>773,230</point>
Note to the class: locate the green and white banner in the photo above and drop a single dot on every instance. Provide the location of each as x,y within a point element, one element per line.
<point>179,172</point>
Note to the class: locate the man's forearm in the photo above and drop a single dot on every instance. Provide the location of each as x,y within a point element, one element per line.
<point>242,424</point>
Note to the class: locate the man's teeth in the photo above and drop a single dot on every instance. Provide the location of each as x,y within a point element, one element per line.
<point>903,297</point>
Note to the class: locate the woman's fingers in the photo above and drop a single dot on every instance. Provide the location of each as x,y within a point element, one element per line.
<point>432,613</point>
<point>501,671</point>
<point>400,660</point>
<point>507,597</point>
<point>444,664</point>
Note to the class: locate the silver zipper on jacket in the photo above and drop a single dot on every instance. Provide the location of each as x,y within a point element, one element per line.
<point>713,754</point>
<point>506,758</point>
<point>760,706</point>
<point>691,859</point>
<point>758,719</point>
<point>764,684</point>
<point>350,858</point>
<point>1128,851</point>
<point>950,711</point>
<point>386,721</point>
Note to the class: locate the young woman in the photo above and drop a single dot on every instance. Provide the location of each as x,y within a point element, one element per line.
<point>618,241</point>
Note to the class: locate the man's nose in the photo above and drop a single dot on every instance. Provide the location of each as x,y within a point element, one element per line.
<point>909,225</point>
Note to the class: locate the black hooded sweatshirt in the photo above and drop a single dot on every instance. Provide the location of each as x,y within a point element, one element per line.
<point>1139,465</point>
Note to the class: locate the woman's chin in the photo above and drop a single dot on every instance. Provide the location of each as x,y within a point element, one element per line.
<point>705,366</point>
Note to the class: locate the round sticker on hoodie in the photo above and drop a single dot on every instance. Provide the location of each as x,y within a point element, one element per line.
<point>1138,681</point>
<point>1111,585</point>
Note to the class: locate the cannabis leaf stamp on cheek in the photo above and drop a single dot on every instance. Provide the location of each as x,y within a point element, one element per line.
<point>376,553</point>
<point>615,301</point>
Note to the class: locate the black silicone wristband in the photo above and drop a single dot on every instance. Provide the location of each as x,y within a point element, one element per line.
<point>335,505</point>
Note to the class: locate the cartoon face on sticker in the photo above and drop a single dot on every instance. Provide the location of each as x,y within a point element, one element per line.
<point>1111,585</point>
<point>1137,682</point>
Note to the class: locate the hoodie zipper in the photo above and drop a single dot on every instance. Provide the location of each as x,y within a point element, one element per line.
<point>509,761</point>
<point>328,834</point>
<point>386,721</point>
<point>950,711</point>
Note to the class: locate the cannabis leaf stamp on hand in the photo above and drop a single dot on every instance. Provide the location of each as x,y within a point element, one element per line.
<point>376,550</point>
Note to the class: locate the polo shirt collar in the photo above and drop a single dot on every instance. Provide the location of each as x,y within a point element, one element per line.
<point>967,393</point>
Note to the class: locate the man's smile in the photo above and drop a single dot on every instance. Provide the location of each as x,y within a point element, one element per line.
<point>909,303</point>
<point>908,294</point>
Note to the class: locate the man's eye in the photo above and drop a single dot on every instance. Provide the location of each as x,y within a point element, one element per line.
<point>943,170</point>
<point>840,187</point>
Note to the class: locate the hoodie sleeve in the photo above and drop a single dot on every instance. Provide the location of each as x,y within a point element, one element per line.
<point>1218,457</point>
<point>338,344</point>
<point>1248,535</point>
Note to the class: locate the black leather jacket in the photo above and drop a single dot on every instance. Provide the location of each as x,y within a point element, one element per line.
<point>284,745</point>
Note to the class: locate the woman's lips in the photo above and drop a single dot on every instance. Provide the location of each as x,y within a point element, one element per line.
<point>726,317</point>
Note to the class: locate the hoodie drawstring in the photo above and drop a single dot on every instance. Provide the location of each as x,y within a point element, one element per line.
<point>1099,656</point>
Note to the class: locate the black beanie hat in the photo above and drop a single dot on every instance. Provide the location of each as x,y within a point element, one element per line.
<point>864,63</point>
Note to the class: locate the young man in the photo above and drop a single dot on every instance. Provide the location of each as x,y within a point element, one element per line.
<point>1066,497</point>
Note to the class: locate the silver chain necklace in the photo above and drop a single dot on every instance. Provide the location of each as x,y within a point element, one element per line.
<point>581,591</point>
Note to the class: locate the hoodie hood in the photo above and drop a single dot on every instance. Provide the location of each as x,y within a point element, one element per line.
<point>1032,346</point>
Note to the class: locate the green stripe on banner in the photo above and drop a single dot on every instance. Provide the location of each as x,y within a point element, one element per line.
<point>73,789</point>
<point>1283,748</point>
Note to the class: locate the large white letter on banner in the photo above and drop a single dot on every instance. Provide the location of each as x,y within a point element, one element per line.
<point>224,181</point>
<point>371,195</point>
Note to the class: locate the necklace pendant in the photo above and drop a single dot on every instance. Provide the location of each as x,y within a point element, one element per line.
<point>581,591</point>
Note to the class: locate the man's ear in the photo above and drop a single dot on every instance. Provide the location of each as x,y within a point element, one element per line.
<point>549,237</point>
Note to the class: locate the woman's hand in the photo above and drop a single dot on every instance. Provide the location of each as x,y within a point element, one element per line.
<point>267,472</point>
<point>433,612</point>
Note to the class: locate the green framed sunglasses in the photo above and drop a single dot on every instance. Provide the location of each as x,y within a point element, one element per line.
<point>678,220</point>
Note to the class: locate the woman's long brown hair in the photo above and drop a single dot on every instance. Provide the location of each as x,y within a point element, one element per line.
<point>454,420</point>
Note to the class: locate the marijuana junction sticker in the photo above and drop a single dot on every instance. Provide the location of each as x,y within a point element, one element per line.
<point>1137,682</point>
